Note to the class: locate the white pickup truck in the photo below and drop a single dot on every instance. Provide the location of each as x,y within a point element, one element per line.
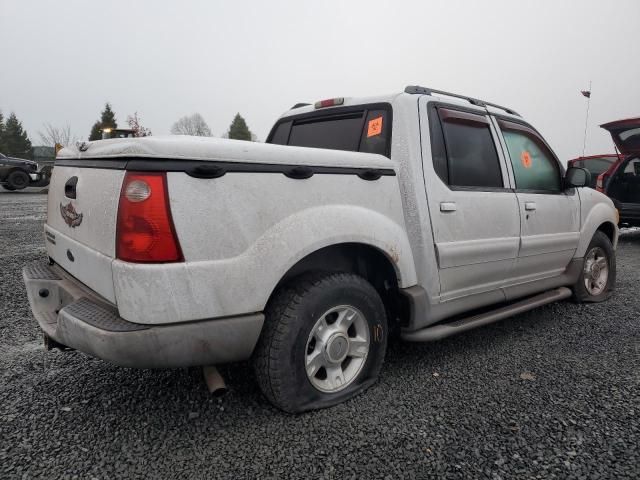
<point>424,212</point>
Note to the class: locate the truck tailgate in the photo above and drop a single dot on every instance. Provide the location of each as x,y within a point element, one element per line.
<point>80,232</point>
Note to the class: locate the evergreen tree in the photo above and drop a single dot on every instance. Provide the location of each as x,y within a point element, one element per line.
<point>107,120</point>
<point>96,133</point>
<point>15,140</point>
<point>239,129</point>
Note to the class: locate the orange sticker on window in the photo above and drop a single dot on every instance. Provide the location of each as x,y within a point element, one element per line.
<point>525,158</point>
<point>375,127</point>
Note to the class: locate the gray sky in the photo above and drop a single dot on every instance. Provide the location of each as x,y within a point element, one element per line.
<point>62,60</point>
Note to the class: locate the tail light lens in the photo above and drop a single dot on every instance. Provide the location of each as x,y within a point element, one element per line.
<point>330,102</point>
<point>145,231</point>
<point>602,178</point>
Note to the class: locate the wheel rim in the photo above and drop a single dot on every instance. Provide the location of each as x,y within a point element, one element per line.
<point>20,181</point>
<point>596,271</point>
<point>337,348</point>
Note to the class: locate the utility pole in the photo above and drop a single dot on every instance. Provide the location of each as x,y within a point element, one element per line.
<point>586,120</point>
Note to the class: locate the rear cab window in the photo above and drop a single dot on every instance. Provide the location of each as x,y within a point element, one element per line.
<point>361,128</point>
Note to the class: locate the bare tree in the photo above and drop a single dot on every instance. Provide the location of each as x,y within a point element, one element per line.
<point>134,124</point>
<point>191,125</point>
<point>53,135</point>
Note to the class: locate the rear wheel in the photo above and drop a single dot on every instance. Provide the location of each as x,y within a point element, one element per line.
<point>323,342</point>
<point>598,277</point>
<point>18,180</point>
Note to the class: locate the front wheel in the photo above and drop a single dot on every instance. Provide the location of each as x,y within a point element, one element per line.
<point>598,277</point>
<point>18,180</point>
<point>323,342</point>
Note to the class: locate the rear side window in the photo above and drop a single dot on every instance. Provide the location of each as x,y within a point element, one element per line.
<point>534,166</point>
<point>463,151</point>
<point>354,130</point>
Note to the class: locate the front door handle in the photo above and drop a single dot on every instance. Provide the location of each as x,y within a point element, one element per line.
<point>529,206</point>
<point>447,206</point>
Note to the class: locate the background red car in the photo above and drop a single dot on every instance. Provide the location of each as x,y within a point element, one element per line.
<point>596,164</point>
<point>621,181</point>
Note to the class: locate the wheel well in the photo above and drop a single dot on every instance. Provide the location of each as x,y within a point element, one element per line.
<point>608,229</point>
<point>364,260</point>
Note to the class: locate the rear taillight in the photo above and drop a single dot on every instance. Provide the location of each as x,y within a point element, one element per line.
<point>145,231</point>
<point>602,178</point>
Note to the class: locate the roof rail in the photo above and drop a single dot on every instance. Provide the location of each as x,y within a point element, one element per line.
<point>298,105</point>
<point>415,89</point>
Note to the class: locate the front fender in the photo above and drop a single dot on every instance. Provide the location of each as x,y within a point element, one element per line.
<point>597,209</point>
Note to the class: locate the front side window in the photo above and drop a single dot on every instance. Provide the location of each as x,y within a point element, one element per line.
<point>534,167</point>
<point>463,150</point>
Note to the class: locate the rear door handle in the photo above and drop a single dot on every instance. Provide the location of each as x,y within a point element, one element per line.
<point>448,206</point>
<point>529,206</point>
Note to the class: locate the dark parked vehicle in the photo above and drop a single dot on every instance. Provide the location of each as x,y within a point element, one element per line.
<point>596,164</point>
<point>19,173</point>
<point>621,182</point>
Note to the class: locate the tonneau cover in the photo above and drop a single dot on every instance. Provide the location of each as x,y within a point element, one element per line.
<point>219,149</point>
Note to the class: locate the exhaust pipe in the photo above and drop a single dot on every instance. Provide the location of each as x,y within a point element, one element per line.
<point>215,382</point>
<point>50,344</point>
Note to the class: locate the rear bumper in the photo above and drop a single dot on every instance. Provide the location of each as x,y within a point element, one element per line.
<point>74,316</point>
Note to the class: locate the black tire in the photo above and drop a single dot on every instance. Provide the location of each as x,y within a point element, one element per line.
<point>599,243</point>
<point>8,187</point>
<point>280,356</point>
<point>18,179</point>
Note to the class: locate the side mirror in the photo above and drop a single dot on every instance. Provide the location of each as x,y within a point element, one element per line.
<point>577,177</point>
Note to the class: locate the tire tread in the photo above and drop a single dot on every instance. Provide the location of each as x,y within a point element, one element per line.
<point>280,318</point>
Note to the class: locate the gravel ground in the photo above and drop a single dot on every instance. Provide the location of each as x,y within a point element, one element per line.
<point>553,393</point>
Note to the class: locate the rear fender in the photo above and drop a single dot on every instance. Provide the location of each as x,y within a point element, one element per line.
<point>244,283</point>
<point>310,230</point>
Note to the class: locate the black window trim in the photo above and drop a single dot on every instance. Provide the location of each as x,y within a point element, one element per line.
<point>477,111</point>
<point>322,113</point>
<point>209,169</point>
<point>503,118</point>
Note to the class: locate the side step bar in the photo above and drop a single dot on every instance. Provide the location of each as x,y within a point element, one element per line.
<point>437,332</point>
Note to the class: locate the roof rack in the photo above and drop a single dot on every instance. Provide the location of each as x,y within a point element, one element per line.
<point>415,89</point>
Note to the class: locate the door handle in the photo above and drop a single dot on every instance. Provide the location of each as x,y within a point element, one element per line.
<point>529,206</point>
<point>447,206</point>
